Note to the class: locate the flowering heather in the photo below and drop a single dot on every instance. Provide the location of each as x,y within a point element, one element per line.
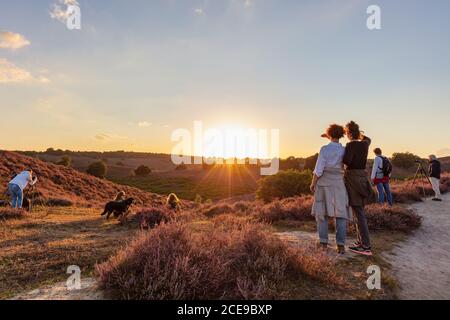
<point>242,262</point>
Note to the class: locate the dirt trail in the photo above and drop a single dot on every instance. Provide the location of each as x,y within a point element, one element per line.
<point>421,264</point>
<point>88,291</point>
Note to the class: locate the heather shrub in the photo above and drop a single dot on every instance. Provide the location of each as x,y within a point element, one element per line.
<point>284,184</point>
<point>395,218</point>
<point>53,202</point>
<point>243,262</point>
<point>150,217</point>
<point>297,208</point>
<point>10,213</point>
<point>218,209</point>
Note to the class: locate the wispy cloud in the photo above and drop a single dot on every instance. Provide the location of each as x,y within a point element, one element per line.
<point>13,41</point>
<point>108,137</point>
<point>144,124</point>
<point>10,73</point>
<point>59,9</point>
<point>199,11</point>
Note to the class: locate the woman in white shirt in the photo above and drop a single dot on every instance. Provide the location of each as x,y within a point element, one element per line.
<point>17,185</point>
<point>330,194</point>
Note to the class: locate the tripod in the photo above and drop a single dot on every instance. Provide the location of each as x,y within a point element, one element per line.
<point>420,175</point>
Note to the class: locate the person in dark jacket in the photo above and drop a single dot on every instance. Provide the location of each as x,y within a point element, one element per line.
<point>358,184</point>
<point>435,176</point>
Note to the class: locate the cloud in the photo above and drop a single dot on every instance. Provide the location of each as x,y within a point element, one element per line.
<point>59,9</point>
<point>108,137</point>
<point>13,41</point>
<point>10,73</point>
<point>102,136</point>
<point>199,11</point>
<point>144,124</point>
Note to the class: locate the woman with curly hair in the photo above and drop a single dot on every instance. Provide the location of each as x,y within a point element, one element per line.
<point>358,184</point>
<point>330,195</point>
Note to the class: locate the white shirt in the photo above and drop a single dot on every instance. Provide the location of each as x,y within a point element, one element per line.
<point>22,179</point>
<point>377,169</point>
<point>330,156</point>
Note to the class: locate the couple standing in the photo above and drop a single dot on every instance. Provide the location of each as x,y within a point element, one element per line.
<point>337,192</point>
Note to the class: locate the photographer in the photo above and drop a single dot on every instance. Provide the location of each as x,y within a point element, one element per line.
<point>435,176</point>
<point>17,185</point>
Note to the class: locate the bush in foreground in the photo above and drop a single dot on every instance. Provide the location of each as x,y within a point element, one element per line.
<point>241,261</point>
<point>396,218</point>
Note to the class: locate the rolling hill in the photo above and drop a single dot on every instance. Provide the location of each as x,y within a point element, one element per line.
<point>61,183</point>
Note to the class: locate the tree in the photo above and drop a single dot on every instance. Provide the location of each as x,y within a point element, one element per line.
<point>404,160</point>
<point>142,171</point>
<point>310,162</point>
<point>65,161</point>
<point>284,184</point>
<point>97,169</point>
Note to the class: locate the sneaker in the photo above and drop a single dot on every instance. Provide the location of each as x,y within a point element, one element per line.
<point>436,199</point>
<point>323,246</point>
<point>340,249</point>
<point>361,250</point>
<point>357,244</point>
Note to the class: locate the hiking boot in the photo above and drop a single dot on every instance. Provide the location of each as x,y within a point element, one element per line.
<point>361,250</point>
<point>436,199</point>
<point>340,249</point>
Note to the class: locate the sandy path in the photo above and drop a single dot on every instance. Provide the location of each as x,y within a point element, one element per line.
<point>422,263</point>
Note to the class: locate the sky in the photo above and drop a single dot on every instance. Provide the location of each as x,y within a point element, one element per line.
<point>139,69</point>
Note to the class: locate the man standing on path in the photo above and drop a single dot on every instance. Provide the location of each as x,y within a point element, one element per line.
<point>435,176</point>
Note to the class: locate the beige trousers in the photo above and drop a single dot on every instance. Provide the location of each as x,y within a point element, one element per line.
<point>435,184</point>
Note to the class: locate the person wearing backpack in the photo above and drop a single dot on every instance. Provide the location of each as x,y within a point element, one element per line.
<point>381,174</point>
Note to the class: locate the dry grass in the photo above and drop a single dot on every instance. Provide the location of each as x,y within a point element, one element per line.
<point>7,213</point>
<point>236,261</point>
<point>37,249</point>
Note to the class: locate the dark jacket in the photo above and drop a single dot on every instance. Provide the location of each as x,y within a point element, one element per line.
<point>435,169</point>
<point>356,152</point>
<point>357,181</point>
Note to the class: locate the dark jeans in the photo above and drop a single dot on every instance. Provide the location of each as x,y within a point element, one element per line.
<point>362,230</point>
<point>382,188</point>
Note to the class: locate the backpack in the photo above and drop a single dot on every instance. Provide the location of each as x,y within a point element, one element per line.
<point>387,167</point>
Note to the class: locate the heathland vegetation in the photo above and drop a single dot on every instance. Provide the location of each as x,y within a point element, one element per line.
<point>225,249</point>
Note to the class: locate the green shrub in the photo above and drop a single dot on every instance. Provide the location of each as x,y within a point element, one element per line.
<point>310,162</point>
<point>404,160</point>
<point>97,169</point>
<point>142,171</point>
<point>65,161</point>
<point>284,184</point>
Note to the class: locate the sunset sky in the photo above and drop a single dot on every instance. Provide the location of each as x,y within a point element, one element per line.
<point>139,69</point>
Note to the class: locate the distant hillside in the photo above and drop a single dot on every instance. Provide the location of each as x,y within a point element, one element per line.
<point>59,182</point>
